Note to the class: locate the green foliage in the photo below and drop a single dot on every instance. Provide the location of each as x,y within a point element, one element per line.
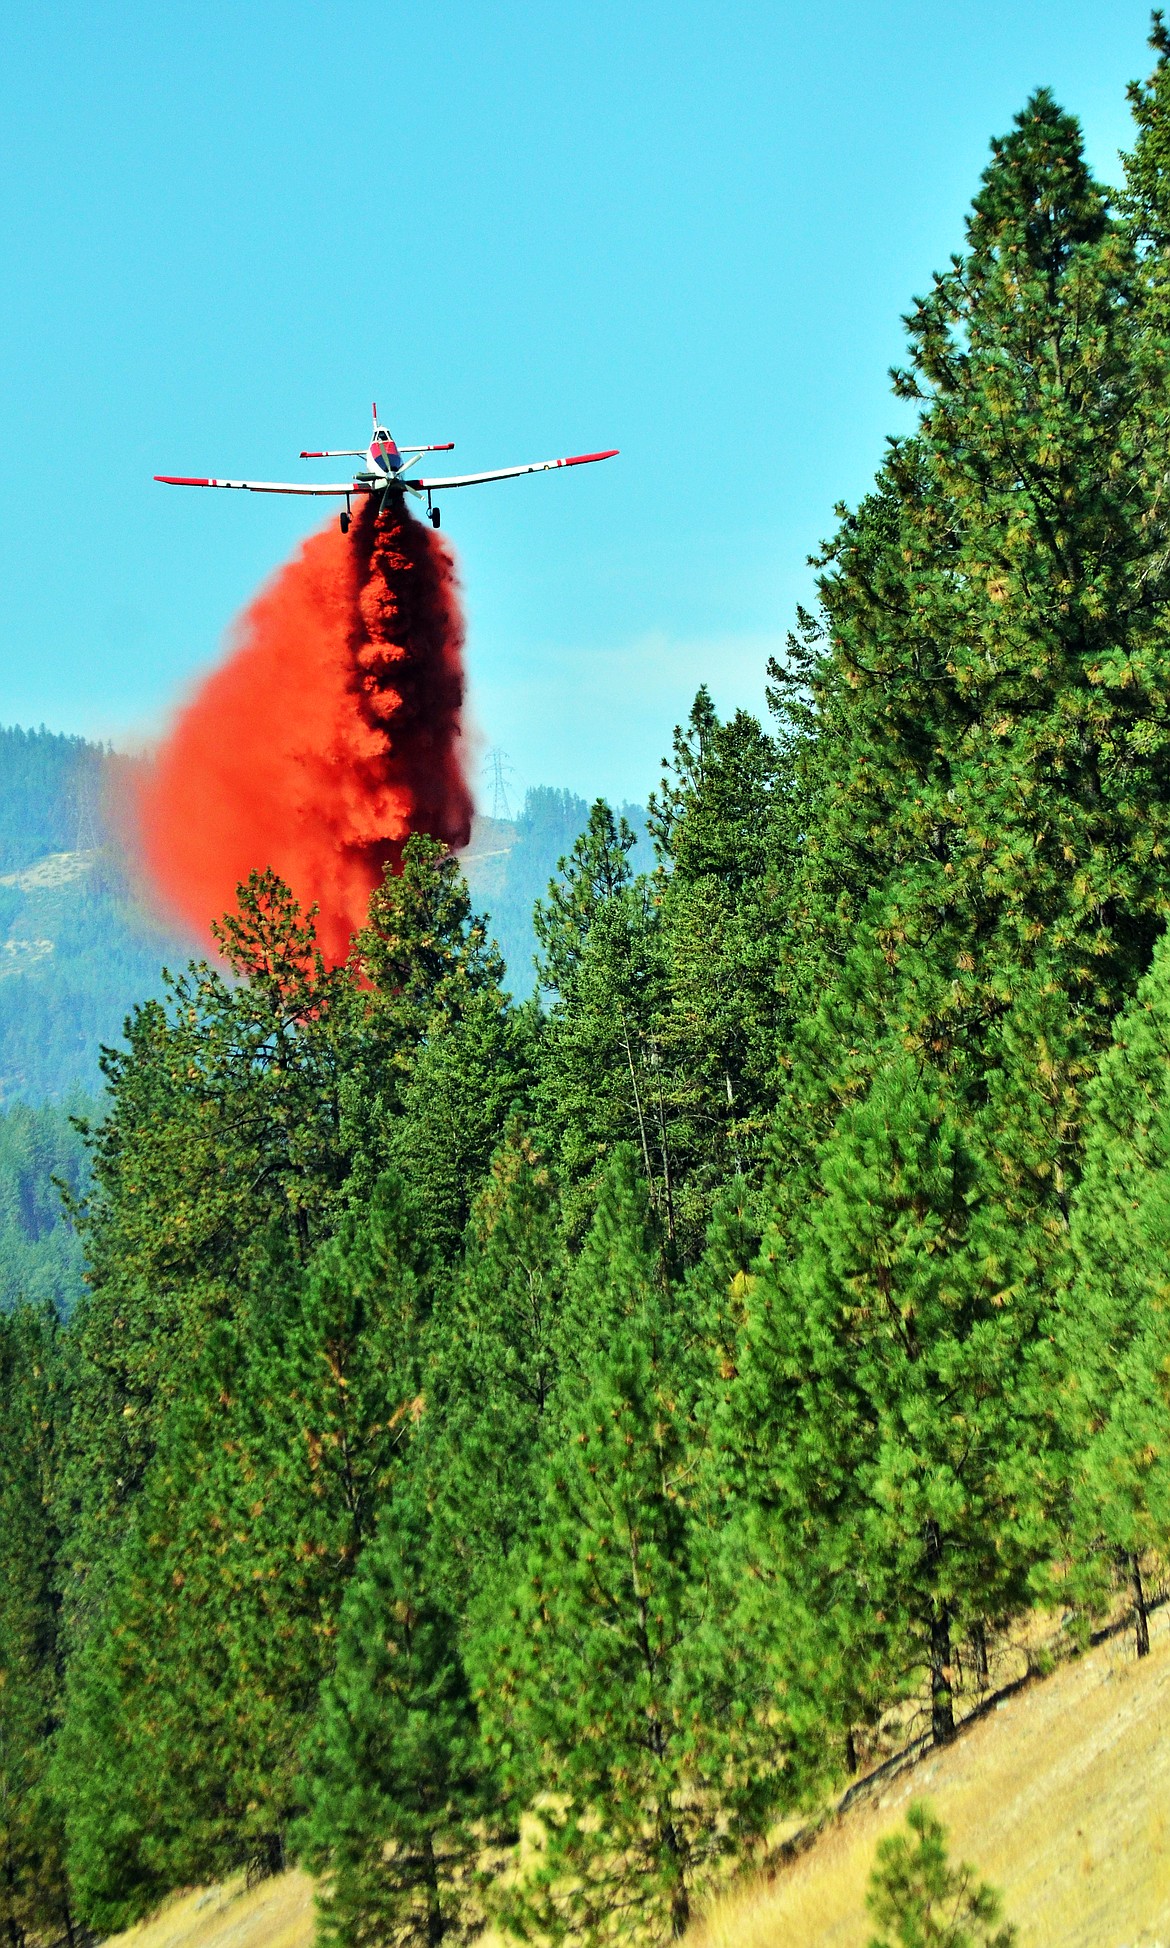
<point>494,1353</point>
<point>884,1398</point>
<point>920,1901</point>
<point>590,1688</point>
<point>990,682</point>
<point>42,1154</point>
<point>188,1712</point>
<point>586,1417</point>
<point>403,1805</point>
<point>602,1082</point>
<point>469,1078</point>
<point>728,824</point>
<point>224,1120</point>
<point>34,1893</point>
<point>1115,1315</point>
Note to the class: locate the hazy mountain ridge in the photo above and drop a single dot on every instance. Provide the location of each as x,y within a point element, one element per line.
<point>509,863</point>
<point>77,949</point>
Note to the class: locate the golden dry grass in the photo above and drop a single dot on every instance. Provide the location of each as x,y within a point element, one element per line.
<point>277,1913</point>
<point>1060,1795</point>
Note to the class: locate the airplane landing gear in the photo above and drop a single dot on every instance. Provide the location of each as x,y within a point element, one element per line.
<point>343,521</point>
<point>434,517</point>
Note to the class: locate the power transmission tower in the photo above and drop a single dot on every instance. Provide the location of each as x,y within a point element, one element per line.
<point>83,794</point>
<point>501,773</point>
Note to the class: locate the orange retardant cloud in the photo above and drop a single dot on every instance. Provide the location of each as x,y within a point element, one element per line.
<point>330,734</point>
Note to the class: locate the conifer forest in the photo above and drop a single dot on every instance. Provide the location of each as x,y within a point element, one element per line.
<point>509,1455</point>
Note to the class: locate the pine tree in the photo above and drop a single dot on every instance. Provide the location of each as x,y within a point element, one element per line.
<point>224,1119</point>
<point>469,1079</point>
<point>601,1075</point>
<point>423,950</point>
<point>726,827</point>
<point>992,677</point>
<point>882,1413</point>
<point>589,1678</point>
<point>188,1708</point>
<point>403,1805</point>
<point>264,1102</point>
<point>493,1360</point>
<point>920,1901</point>
<point>34,1893</point>
<point>1114,1328</point>
<point>1147,168</point>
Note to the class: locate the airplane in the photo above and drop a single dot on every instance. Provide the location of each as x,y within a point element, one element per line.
<point>385,473</point>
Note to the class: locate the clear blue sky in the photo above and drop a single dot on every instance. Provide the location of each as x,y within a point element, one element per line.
<point>688,230</point>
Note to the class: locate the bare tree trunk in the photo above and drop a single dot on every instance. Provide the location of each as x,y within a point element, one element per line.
<point>662,1145</point>
<point>637,1099</point>
<point>436,1926</point>
<point>979,1646</point>
<point>1141,1616</point>
<point>942,1699</point>
<point>731,1105</point>
<point>850,1753</point>
<point>942,1703</point>
<point>680,1910</point>
<point>680,1900</point>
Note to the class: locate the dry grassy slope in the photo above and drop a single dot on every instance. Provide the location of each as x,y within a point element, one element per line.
<point>1060,1795</point>
<point>276,1914</point>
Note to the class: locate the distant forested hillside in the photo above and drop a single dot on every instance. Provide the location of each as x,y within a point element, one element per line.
<point>510,863</point>
<point>77,951</point>
<point>50,790</point>
<point>41,1152</point>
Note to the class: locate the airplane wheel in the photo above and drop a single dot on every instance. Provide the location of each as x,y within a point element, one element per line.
<point>344,520</point>
<point>434,517</point>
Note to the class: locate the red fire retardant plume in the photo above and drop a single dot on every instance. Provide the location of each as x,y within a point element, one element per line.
<point>329,736</point>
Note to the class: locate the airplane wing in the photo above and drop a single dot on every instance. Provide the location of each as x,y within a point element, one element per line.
<point>509,473</point>
<point>263,486</point>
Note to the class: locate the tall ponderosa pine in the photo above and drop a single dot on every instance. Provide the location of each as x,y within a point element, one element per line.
<point>884,1379</point>
<point>726,824</point>
<point>268,1102</point>
<point>444,1060</point>
<point>34,1889</point>
<point>994,679</point>
<point>589,1682</point>
<point>404,1808</point>
<point>1147,169</point>
<point>188,1712</point>
<point>224,1119</point>
<point>601,966</point>
<point>987,876</point>
<point>1115,1318</point>
<point>493,1357</point>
